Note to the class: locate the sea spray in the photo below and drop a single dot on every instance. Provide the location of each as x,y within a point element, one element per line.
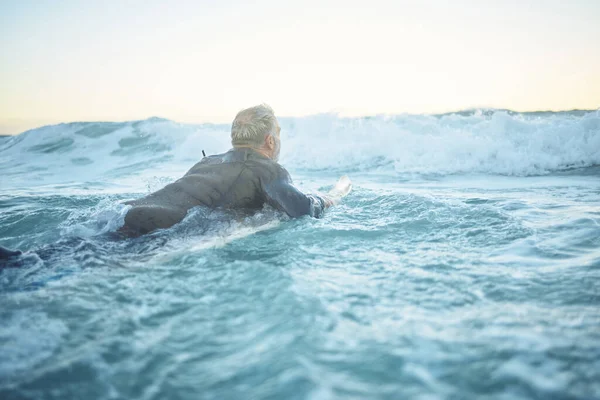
<point>481,141</point>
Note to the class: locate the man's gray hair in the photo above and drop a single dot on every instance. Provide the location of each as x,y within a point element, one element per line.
<point>252,125</point>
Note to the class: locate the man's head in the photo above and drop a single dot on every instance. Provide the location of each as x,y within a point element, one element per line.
<point>257,128</point>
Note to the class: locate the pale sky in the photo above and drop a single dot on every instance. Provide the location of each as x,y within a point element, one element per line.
<point>202,61</point>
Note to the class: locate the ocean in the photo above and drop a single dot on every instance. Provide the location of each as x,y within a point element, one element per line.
<point>464,264</point>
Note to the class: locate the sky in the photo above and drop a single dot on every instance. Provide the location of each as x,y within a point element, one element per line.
<point>203,61</point>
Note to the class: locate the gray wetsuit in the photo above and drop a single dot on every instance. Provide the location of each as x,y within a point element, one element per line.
<point>241,179</point>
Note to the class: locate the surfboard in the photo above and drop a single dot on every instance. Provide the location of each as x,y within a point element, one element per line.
<point>341,189</point>
<point>231,232</point>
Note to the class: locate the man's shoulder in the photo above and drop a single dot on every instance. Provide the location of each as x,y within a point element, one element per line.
<point>267,169</point>
<point>264,168</point>
<point>215,158</point>
<point>202,166</point>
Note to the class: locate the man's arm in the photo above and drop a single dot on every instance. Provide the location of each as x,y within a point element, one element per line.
<point>281,194</point>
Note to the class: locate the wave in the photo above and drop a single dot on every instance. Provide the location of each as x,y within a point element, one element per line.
<point>473,141</point>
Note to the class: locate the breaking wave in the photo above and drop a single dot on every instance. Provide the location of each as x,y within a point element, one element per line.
<point>477,141</point>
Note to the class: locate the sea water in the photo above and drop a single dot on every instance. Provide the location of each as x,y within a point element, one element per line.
<point>465,263</point>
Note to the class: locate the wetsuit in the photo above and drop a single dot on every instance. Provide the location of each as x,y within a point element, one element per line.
<point>241,179</point>
<point>6,254</point>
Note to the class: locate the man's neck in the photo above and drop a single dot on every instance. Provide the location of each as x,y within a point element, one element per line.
<point>259,151</point>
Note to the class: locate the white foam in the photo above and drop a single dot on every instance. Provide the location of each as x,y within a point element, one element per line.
<point>499,143</point>
<point>494,142</point>
<point>107,216</point>
<point>28,338</point>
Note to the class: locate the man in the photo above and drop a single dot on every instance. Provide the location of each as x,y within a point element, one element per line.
<point>245,178</point>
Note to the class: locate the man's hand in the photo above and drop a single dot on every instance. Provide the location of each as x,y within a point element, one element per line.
<point>340,190</point>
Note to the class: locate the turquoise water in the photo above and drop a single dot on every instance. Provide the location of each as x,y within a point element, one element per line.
<point>464,264</point>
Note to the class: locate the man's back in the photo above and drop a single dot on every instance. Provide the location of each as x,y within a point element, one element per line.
<point>241,179</point>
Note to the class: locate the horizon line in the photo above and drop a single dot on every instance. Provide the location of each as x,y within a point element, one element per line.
<point>336,113</point>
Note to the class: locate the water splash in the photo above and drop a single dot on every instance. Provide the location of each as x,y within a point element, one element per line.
<point>480,141</point>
